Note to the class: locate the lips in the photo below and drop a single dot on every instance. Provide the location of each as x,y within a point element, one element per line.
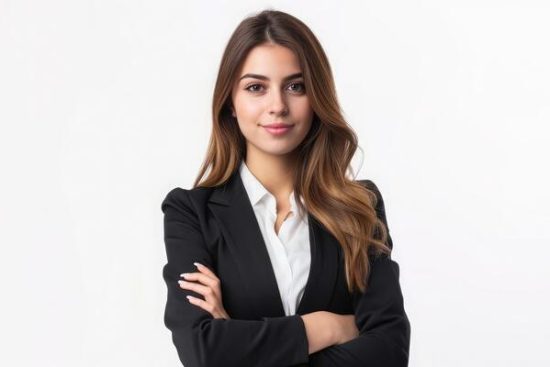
<point>277,128</point>
<point>277,125</point>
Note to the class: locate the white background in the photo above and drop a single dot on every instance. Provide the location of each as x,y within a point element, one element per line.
<point>105,107</point>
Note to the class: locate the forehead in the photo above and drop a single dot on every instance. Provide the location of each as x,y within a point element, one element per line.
<point>271,60</point>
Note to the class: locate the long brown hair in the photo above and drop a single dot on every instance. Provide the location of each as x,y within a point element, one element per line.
<point>344,207</point>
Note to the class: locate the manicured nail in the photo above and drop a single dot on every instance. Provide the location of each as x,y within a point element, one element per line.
<point>197,264</point>
<point>185,275</point>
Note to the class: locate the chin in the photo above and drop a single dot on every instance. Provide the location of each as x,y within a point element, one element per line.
<point>277,151</point>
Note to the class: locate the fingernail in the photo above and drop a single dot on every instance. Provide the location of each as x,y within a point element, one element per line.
<point>185,275</point>
<point>197,264</point>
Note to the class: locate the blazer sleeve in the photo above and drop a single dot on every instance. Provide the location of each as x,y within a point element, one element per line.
<point>201,340</point>
<point>384,328</point>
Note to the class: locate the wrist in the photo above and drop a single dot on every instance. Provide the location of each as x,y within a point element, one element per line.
<point>334,326</point>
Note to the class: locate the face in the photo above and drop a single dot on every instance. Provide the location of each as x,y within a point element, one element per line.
<point>269,89</point>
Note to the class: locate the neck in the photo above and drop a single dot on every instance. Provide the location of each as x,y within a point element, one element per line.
<point>276,173</point>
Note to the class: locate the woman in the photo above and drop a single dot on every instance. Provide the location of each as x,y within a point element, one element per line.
<point>276,257</point>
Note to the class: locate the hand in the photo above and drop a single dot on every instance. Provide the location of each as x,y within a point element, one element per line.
<point>209,286</point>
<point>347,329</point>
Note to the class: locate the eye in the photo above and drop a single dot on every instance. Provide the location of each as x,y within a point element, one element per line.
<point>253,85</point>
<point>253,88</point>
<point>300,89</point>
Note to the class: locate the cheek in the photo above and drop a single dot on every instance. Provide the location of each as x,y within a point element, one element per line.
<point>301,107</point>
<point>303,112</point>
<point>249,114</point>
<point>248,110</point>
<point>305,126</point>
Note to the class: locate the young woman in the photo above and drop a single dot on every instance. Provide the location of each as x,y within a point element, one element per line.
<point>275,256</point>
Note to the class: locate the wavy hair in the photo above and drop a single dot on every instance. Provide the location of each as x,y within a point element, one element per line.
<point>343,206</point>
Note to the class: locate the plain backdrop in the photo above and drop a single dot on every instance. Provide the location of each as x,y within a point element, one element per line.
<point>105,107</point>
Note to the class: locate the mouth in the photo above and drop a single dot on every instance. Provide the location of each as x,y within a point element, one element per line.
<point>278,125</point>
<point>278,128</point>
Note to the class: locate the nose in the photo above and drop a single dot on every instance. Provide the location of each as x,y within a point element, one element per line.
<point>278,104</point>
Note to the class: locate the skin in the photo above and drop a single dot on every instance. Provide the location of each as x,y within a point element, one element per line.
<point>255,102</point>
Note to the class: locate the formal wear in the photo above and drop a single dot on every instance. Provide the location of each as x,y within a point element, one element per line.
<point>219,228</point>
<point>289,249</point>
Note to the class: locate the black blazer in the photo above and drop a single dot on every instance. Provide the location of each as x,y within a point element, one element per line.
<point>217,227</point>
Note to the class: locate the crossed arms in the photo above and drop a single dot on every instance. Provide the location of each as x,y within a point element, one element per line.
<point>203,341</point>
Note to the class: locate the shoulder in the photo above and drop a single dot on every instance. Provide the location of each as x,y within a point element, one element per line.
<point>371,186</point>
<point>186,199</point>
<point>367,183</point>
<point>379,204</point>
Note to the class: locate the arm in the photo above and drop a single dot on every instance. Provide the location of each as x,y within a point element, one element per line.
<point>201,340</point>
<point>321,329</point>
<point>381,319</point>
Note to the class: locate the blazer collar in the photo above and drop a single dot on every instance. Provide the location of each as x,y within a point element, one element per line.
<point>231,206</point>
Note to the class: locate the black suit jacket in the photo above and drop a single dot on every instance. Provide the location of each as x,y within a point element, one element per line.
<point>217,227</point>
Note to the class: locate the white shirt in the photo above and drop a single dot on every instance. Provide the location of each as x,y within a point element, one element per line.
<point>289,250</point>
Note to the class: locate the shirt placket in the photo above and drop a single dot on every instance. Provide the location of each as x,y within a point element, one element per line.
<point>281,253</point>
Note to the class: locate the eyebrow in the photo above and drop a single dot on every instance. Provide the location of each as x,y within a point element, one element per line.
<point>263,77</point>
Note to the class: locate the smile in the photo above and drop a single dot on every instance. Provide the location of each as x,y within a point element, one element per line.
<point>277,131</point>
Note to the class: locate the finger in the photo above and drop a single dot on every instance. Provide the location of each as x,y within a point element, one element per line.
<point>210,295</point>
<point>204,269</point>
<point>203,290</point>
<point>202,304</point>
<point>202,278</point>
<point>207,307</point>
<point>214,284</point>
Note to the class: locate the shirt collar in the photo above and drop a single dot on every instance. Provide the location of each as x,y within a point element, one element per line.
<point>256,191</point>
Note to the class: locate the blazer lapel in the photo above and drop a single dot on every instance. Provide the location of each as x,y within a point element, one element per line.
<point>232,208</point>
<point>323,270</point>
